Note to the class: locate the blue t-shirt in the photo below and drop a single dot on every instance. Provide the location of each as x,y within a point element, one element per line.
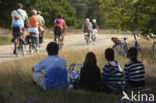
<point>55,71</point>
<point>17,23</point>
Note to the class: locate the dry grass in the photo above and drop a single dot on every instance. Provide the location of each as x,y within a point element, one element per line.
<point>15,78</point>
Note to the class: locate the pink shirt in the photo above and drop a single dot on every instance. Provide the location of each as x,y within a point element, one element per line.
<point>61,22</point>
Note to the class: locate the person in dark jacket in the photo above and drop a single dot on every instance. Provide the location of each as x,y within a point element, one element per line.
<point>90,73</point>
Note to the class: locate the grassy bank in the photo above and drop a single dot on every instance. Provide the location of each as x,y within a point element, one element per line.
<point>16,87</point>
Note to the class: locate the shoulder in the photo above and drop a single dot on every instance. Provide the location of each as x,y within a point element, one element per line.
<point>13,12</point>
<point>129,63</point>
<point>61,59</point>
<point>62,20</point>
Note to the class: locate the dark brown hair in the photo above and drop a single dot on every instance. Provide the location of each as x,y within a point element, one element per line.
<point>60,15</point>
<point>52,48</point>
<point>132,53</point>
<point>90,59</point>
<point>109,54</point>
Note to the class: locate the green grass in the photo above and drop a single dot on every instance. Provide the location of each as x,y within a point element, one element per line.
<point>4,40</point>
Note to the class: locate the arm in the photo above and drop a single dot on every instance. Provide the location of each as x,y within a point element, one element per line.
<point>64,25</point>
<point>39,66</point>
<point>126,73</point>
<point>27,21</point>
<point>105,73</point>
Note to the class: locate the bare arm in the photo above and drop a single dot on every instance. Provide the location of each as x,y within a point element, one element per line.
<point>27,21</point>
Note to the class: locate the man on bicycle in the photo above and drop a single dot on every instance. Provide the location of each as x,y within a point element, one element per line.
<point>41,26</point>
<point>34,20</point>
<point>17,30</point>
<point>95,29</point>
<point>22,15</point>
<point>87,27</point>
<point>59,22</point>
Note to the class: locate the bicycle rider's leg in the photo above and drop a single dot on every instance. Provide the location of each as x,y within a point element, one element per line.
<point>24,33</point>
<point>14,52</point>
<point>89,35</point>
<point>55,40</point>
<point>62,35</point>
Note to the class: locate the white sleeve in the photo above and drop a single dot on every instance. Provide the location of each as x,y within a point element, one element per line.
<point>25,15</point>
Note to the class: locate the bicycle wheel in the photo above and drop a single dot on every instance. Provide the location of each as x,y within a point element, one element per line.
<point>23,48</point>
<point>87,39</point>
<point>60,43</point>
<point>154,49</point>
<point>30,46</point>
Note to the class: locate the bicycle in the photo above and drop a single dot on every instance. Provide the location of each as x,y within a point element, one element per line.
<point>58,38</point>
<point>122,48</point>
<point>18,42</point>
<point>87,36</point>
<point>32,43</point>
<point>154,49</point>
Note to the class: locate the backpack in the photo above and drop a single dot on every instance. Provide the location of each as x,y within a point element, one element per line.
<point>57,30</point>
<point>16,30</point>
<point>94,25</point>
<point>87,27</point>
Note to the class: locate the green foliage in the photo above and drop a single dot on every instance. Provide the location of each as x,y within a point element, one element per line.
<point>88,9</point>
<point>49,9</point>
<point>131,14</point>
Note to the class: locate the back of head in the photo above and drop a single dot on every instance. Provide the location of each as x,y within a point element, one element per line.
<point>94,20</point>
<point>19,6</point>
<point>60,15</point>
<point>109,54</point>
<point>90,59</point>
<point>52,48</point>
<point>87,19</point>
<point>39,12</point>
<point>132,53</point>
<point>34,12</point>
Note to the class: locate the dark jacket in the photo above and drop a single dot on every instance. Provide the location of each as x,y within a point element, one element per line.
<point>90,78</point>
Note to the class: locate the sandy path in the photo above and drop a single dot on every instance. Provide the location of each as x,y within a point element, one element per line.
<point>71,42</point>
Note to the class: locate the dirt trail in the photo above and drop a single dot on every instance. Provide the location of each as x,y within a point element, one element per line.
<point>71,42</point>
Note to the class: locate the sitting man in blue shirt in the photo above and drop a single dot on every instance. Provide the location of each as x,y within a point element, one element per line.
<point>55,70</point>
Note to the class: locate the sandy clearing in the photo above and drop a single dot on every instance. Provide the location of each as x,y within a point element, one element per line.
<point>75,41</point>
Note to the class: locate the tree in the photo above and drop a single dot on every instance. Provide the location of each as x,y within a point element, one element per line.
<point>49,9</point>
<point>131,14</point>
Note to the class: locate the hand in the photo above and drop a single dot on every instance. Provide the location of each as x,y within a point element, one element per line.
<point>33,69</point>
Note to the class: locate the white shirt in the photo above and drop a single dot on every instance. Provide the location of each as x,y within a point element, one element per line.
<point>22,16</point>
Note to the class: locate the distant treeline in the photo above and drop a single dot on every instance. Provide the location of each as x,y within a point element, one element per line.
<point>119,14</point>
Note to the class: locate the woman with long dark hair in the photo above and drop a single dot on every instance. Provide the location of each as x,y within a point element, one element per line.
<point>90,73</point>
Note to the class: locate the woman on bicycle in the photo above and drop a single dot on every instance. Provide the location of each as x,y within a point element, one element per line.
<point>59,21</point>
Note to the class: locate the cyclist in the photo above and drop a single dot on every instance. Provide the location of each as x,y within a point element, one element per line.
<point>17,23</point>
<point>41,28</point>
<point>22,15</point>
<point>62,24</point>
<point>87,27</point>
<point>34,20</point>
<point>95,28</point>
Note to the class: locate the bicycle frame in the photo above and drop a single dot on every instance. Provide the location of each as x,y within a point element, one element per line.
<point>19,46</point>
<point>135,43</point>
